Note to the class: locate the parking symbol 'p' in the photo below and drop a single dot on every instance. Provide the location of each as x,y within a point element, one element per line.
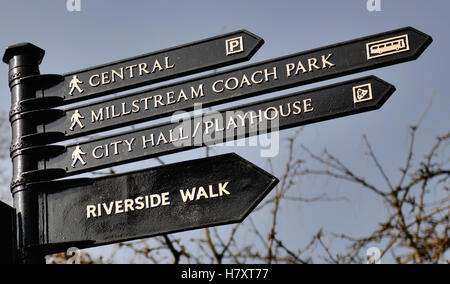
<point>234,45</point>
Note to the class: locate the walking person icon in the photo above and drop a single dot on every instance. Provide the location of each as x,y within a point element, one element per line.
<point>74,85</point>
<point>75,119</point>
<point>76,156</point>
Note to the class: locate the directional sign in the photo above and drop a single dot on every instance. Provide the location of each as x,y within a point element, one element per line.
<point>303,68</point>
<point>173,198</point>
<point>157,66</point>
<point>7,233</point>
<point>276,114</point>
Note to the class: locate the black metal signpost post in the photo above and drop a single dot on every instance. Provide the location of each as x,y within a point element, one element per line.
<point>183,196</point>
<point>23,60</point>
<point>260,78</point>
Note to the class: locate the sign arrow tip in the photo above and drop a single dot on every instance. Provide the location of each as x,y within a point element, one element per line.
<point>424,40</point>
<point>261,178</point>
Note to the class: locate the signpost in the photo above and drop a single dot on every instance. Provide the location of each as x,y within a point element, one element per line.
<point>154,67</point>
<point>51,216</point>
<point>302,108</point>
<point>184,196</point>
<point>261,78</point>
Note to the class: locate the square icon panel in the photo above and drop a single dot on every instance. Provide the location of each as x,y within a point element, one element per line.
<point>362,93</point>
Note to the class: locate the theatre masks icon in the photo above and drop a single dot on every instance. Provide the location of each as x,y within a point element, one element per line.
<point>362,93</point>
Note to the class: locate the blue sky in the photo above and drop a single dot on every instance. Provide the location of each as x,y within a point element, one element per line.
<point>108,30</point>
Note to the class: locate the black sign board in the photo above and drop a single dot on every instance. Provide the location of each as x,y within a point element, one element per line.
<point>154,67</point>
<point>302,108</point>
<point>7,235</point>
<point>303,68</point>
<point>184,196</point>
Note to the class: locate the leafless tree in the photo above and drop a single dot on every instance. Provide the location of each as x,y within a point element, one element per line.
<point>417,227</point>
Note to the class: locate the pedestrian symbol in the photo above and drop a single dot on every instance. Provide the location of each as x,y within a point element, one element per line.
<point>74,85</point>
<point>76,156</point>
<point>76,120</point>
